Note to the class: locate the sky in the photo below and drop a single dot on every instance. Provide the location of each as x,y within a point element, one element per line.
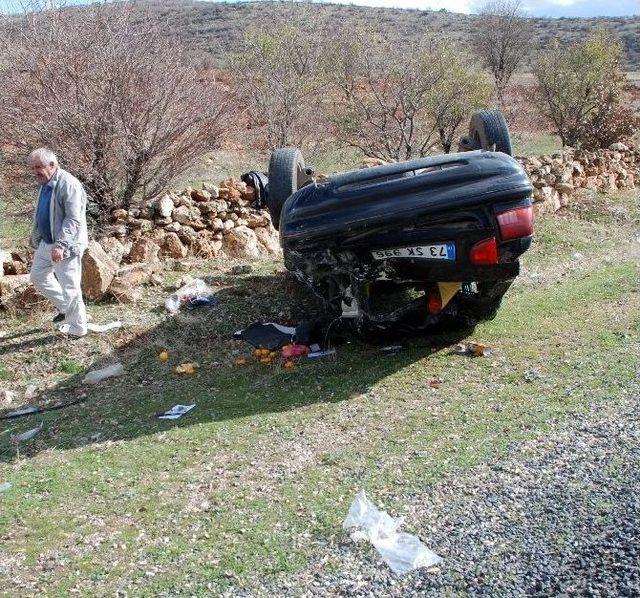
<point>535,8</point>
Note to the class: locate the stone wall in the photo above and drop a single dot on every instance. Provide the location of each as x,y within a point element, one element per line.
<point>558,177</point>
<point>215,221</point>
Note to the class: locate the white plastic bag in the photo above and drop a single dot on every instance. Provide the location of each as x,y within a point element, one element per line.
<point>117,369</point>
<point>402,552</point>
<point>197,287</point>
<point>104,327</point>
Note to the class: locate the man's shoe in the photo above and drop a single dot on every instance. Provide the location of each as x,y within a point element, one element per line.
<point>65,330</point>
<point>58,318</point>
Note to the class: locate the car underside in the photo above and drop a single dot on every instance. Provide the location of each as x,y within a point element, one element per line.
<point>409,246</point>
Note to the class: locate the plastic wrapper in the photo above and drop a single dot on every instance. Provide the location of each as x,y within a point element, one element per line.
<point>193,294</point>
<point>117,369</point>
<point>402,552</point>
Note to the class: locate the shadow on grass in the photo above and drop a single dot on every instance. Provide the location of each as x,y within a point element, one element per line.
<point>124,408</point>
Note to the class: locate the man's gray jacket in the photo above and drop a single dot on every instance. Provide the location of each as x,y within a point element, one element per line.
<point>67,215</point>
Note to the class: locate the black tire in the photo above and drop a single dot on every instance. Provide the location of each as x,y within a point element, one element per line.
<point>489,130</point>
<point>285,167</point>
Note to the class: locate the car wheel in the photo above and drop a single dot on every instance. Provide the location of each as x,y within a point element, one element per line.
<point>489,130</point>
<point>285,168</point>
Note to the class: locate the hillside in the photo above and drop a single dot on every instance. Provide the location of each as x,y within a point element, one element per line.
<point>216,28</point>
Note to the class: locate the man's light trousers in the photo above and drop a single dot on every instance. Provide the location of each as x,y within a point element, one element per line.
<point>60,283</point>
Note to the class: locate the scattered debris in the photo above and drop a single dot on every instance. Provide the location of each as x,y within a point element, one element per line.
<point>100,328</point>
<point>391,349</point>
<point>270,336</point>
<point>21,412</point>
<point>116,369</point>
<point>176,411</point>
<point>195,293</point>
<point>531,375</point>
<point>28,435</point>
<point>289,351</point>
<point>4,486</point>
<point>241,362</point>
<point>318,354</point>
<point>402,552</point>
<point>244,269</point>
<point>187,368</point>
<point>471,348</point>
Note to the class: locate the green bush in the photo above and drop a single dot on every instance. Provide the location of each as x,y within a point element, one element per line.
<point>580,89</point>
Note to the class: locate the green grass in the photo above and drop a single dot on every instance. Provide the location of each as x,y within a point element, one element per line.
<point>535,144</point>
<point>255,481</point>
<point>70,366</point>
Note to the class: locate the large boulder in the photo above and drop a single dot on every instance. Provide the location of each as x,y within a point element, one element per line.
<point>268,238</point>
<point>144,250</point>
<point>172,246</point>
<point>241,242</point>
<point>98,271</point>
<point>123,292</point>
<point>134,274</point>
<point>200,195</point>
<point>189,217</point>
<point>163,206</point>
<point>256,219</point>
<point>17,292</point>
<point>5,258</point>
<point>114,248</point>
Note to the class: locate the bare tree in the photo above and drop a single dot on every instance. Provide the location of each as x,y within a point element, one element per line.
<point>397,103</point>
<point>501,39</point>
<point>111,93</point>
<point>279,80</point>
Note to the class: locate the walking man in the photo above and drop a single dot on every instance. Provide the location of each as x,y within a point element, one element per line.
<point>59,237</point>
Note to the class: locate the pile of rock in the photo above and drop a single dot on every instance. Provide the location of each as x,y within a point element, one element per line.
<point>16,290</point>
<point>555,178</point>
<point>197,222</point>
<point>205,223</point>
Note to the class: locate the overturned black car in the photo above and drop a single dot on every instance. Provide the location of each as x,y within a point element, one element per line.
<point>409,246</point>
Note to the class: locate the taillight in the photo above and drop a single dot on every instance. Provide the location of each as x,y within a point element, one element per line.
<point>434,303</point>
<point>484,253</point>
<point>517,223</point>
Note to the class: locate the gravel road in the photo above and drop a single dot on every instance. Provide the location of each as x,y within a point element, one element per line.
<point>560,516</point>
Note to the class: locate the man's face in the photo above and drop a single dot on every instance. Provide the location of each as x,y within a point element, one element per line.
<point>42,172</point>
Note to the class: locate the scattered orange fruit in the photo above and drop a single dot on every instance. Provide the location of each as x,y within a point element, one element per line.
<point>163,356</point>
<point>265,360</point>
<point>241,362</point>
<point>186,368</point>
<point>273,354</point>
<point>289,365</point>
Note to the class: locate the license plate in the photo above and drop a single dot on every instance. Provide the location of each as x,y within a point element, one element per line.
<point>438,251</point>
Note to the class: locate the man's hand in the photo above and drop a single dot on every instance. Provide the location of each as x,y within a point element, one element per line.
<point>57,254</point>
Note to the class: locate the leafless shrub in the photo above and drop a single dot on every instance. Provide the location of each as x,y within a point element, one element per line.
<point>501,39</point>
<point>111,93</point>
<point>279,80</point>
<point>580,89</point>
<point>400,103</point>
